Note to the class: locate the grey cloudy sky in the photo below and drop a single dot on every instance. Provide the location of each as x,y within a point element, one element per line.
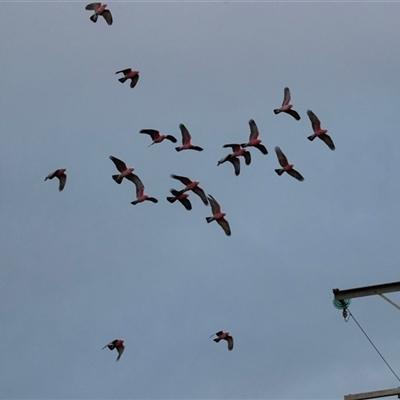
<point>83,267</point>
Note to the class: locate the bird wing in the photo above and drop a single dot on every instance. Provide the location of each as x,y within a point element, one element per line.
<point>138,183</point>
<point>93,6</point>
<point>315,122</point>
<point>230,342</point>
<point>286,96</point>
<point>185,134</point>
<point>215,208</point>
<point>281,157</point>
<point>235,146</point>
<point>328,140</point>
<point>295,174</point>
<point>253,130</point>
<point>63,180</point>
<point>134,80</point>
<point>175,192</point>
<point>236,164</point>
<point>247,157</point>
<point>183,179</point>
<point>124,71</point>
<point>201,194</point>
<point>186,203</point>
<point>109,344</point>
<point>294,114</point>
<point>225,226</point>
<point>51,176</point>
<point>262,148</point>
<point>107,16</point>
<point>121,166</point>
<point>120,350</point>
<point>152,132</point>
<point>171,138</point>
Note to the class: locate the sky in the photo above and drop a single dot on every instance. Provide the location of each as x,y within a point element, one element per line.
<point>82,267</point>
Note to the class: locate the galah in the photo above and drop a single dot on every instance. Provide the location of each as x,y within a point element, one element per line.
<point>116,344</point>
<point>186,140</point>
<point>286,167</point>
<point>218,215</point>
<point>286,106</point>
<point>140,196</point>
<point>318,132</point>
<point>182,197</point>
<point>191,185</point>
<point>221,335</point>
<point>124,171</point>
<point>100,9</point>
<point>129,74</point>
<point>60,174</point>
<point>157,138</point>
<point>253,139</point>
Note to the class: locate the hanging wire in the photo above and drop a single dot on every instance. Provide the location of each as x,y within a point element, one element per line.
<point>362,330</point>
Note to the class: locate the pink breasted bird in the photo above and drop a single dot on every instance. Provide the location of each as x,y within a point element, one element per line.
<point>218,215</point>
<point>129,74</point>
<point>140,196</point>
<point>233,160</point>
<point>186,140</point>
<point>253,139</point>
<point>157,138</point>
<point>60,174</point>
<point>191,185</point>
<point>221,335</point>
<point>318,132</point>
<point>100,9</point>
<point>286,106</point>
<point>182,197</point>
<point>125,172</point>
<point>116,344</point>
<point>286,167</point>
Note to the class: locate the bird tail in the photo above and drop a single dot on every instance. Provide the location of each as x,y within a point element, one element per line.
<point>279,171</point>
<point>178,148</point>
<point>171,199</point>
<point>117,178</point>
<point>209,219</point>
<point>277,111</point>
<point>217,340</point>
<point>123,79</point>
<point>94,17</point>
<point>312,137</point>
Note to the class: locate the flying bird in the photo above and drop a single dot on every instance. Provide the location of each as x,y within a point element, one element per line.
<point>140,196</point>
<point>191,185</point>
<point>180,196</point>
<point>100,9</point>
<point>254,140</point>
<point>218,216</point>
<point>116,344</point>
<point>186,140</point>
<point>286,106</point>
<point>233,160</point>
<point>224,336</point>
<point>157,138</point>
<point>129,74</point>
<point>318,132</point>
<point>124,172</point>
<point>286,167</point>
<point>60,174</point>
<point>238,151</point>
